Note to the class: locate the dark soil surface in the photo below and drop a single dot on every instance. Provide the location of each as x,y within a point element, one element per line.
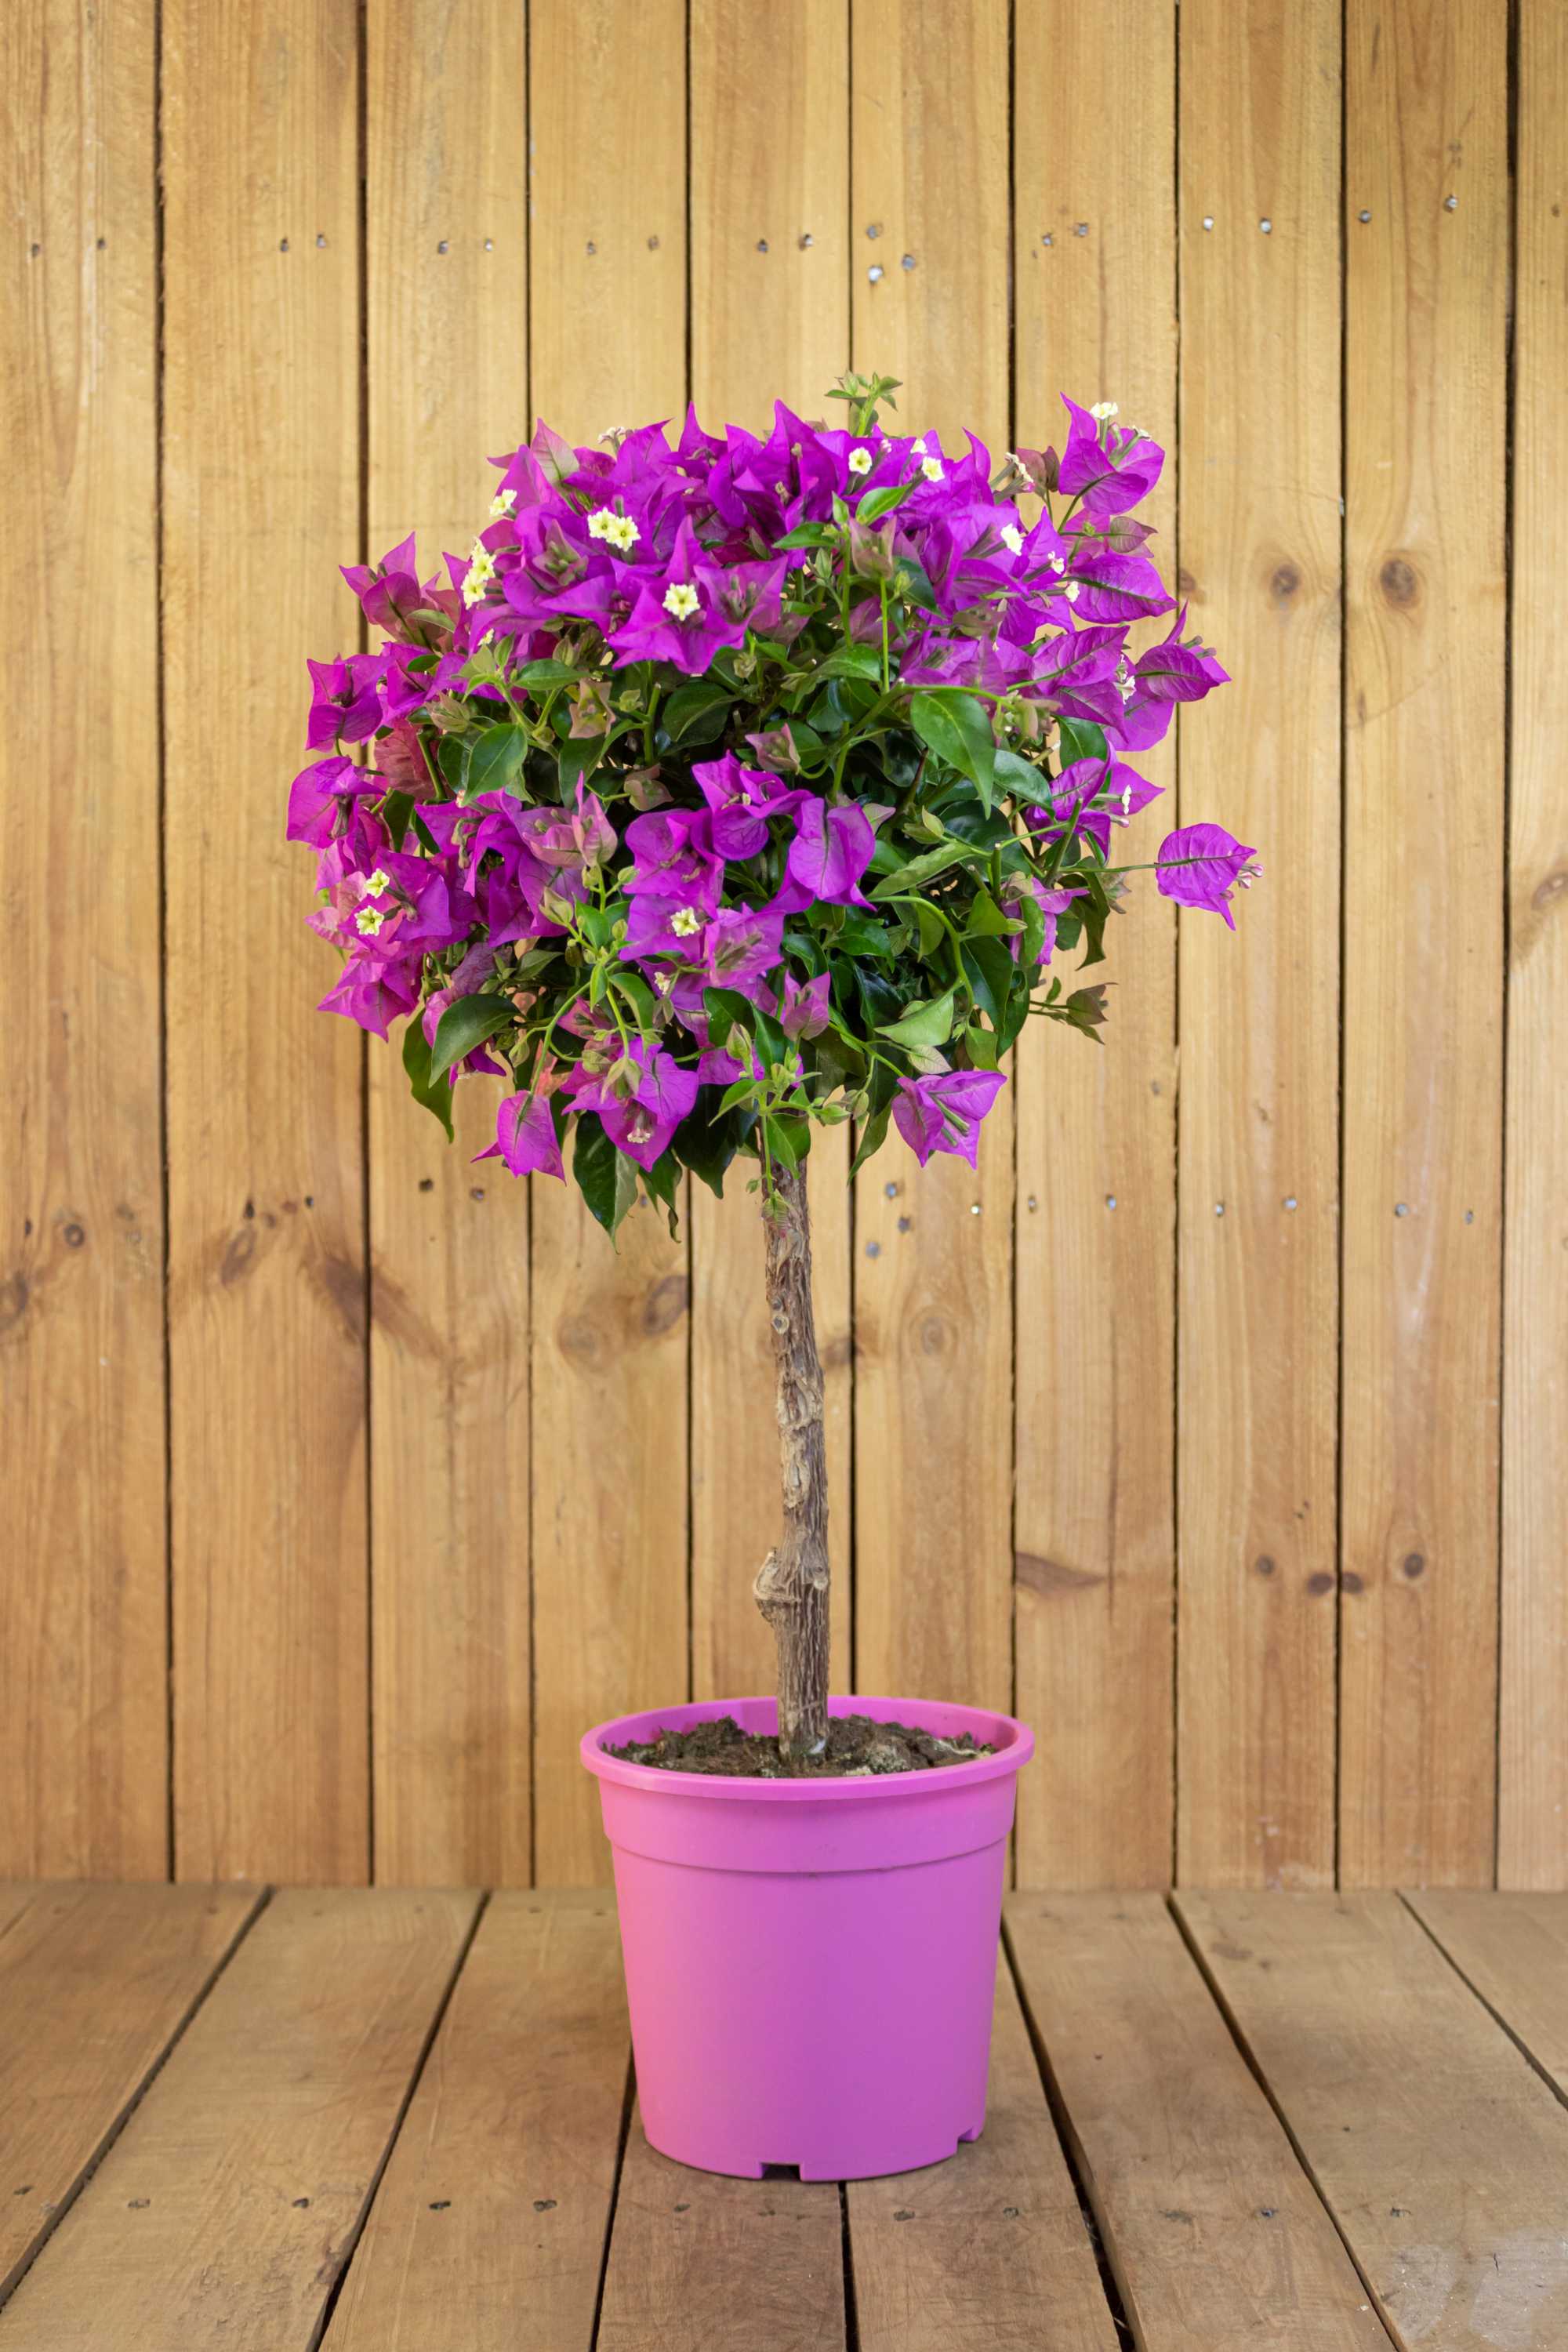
<point>856,1747</point>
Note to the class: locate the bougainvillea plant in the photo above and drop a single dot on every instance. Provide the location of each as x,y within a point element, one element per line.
<point>742,785</point>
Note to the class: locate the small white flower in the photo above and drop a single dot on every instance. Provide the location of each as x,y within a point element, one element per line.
<point>1057,563</point>
<point>918,445</point>
<point>369,919</point>
<point>1013,538</point>
<point>684,921</point>
<point>374,884</point>
<point>681,601</point>
<point>623,533</point>
<point>1104,409</point>
<point>1126,688</point>
<point>503,502</point>
<point>859,461</point>
<point>599,522</point>
<point>932,469</point>
<point>480,573</point>
<point>1071,592</point>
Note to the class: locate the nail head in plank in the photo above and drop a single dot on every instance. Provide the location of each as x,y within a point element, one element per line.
<point>1513,1949</point>
<point>225,2210</point>
<point>991,2247</point>
<point>1216,2237</point>
<point>698,2259</point>
<point>95,1981</point>
<point>1441,2154</point>
<point>487,2231</point>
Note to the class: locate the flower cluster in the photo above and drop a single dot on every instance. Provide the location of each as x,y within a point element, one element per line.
<point>748,783</point>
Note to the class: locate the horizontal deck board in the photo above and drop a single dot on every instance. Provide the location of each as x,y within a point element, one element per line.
<point>224,2212</point>
<point>95,1983</point>
<point>487,2233</point>
<point>1217,2240</point>
<point>1513,1949</point>
<point>1440,2152</point>
<point>698,2261</point>
<point>991,2248</point>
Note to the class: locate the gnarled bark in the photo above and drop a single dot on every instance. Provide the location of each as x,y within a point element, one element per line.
<point>792,1583</point>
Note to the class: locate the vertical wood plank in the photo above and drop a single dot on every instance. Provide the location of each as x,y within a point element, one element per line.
<point>769,195</point>
<point>1532,1798</point>
<point>487,2232</point>
<point>267,1295</point>
<point>446,262</point>
<point>96,1983</point>
<point>226,2209</point>
<point>83,1747</point>
<point>1258,1155</point>
<point>1441,2155</point>
<point>610,1331</point>
<point>1096,1185</point>
<point>934,1258</point>
<point>1426,328</point>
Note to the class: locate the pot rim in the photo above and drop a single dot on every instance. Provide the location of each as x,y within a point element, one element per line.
<point>1011,1740</point>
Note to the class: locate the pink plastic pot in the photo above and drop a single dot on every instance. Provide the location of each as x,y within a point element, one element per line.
<point>810,1964</point>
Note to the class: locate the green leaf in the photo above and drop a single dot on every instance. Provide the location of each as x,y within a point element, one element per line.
<point>396,812</point>
<point>580,755</point>
<point>706,1139</point>
<point>662,1183</point>
<point>495,759</point>
<point>807,534</point>
<point>1080,739</point>
<point>990,969</point>
<point>1020,777</point>
<point>922,1024</point>
<point>695,713</point>
<point>873,1132</point>
<point>859,934</point>
<point>986,920</point>
<point>852,661</point>
<point>876,503</point>
<point>436,1096</point>
<point>955,726</point>
<point>606,1179</point>
<point>922,869</point>
<point>465,1023</point>
<point>549,672</point>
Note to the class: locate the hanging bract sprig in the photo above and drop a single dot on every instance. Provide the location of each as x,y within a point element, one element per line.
<point>749,783</point>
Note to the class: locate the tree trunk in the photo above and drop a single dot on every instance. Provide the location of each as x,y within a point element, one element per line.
<point>792,1583</point>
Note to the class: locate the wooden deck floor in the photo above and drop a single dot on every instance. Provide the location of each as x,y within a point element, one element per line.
<point>404,2122</point>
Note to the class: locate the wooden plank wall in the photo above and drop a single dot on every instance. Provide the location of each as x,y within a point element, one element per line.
<point>1220,1424</point>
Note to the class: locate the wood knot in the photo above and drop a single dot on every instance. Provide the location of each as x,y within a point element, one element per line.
<point>1351,1582</point>
<point>1284,581</point>
<point>665,1305</point>
<point>1546,894</point>
<point>1414,1565</point>
<point>13,1297</point>
<point>1399,582</point>
<point>1321,1582</point>
<point>1264,1565</point>
<point>579,1341</point>
<point>236,1261</point>
<point>932,1335</point>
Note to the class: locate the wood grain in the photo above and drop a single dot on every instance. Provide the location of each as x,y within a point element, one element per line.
<point>447,260</point>
<point>698,2259</point>
<point>83,1747</point>
<point>1514,1950</point>
<point>488,2231</point>
<point>1441,2155</point>
<point>227,2207</point>
<point>1425,351</point>
<point>1532,1794</point>
<point>1257,1225</point>
<point>1095,1240</point>
<point>770,182</point>
<point>97,1981</point>
<point>267,1304</point>
<point>1216,2237</point>
<point>610,1329</point>
<point>990,2248</point>
<point>932,1269</point>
